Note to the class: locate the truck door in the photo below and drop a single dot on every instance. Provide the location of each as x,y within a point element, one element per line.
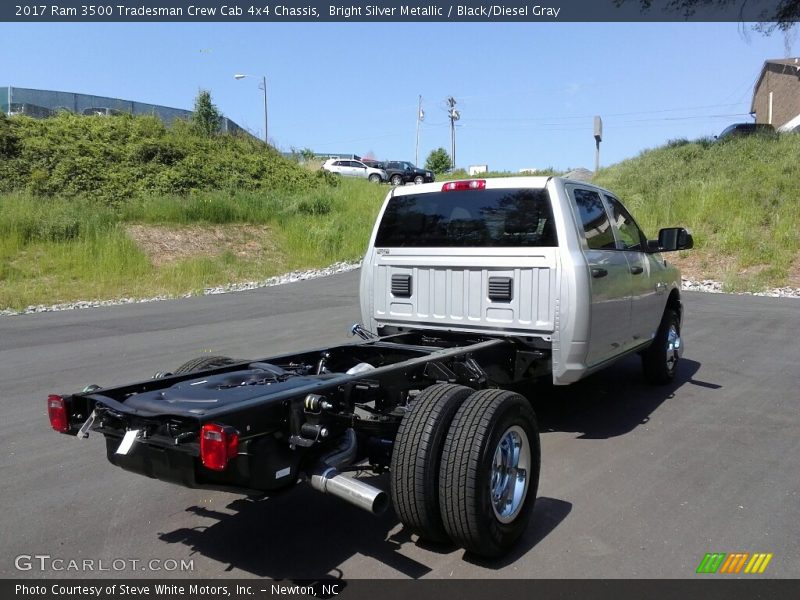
<point>646,297</point>
<point>610,276</point>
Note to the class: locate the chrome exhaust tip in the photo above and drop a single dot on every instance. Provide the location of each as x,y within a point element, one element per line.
<point>330,481</point>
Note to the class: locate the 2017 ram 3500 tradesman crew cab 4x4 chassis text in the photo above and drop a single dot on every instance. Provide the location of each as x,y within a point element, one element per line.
<point>467,287</point>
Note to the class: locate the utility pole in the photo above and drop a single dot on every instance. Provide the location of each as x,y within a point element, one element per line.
<point>598,137</point>
<point>420,117</point>
<point>454,116</point>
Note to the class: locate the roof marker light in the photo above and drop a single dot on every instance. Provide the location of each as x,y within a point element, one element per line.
<point>466,184</point>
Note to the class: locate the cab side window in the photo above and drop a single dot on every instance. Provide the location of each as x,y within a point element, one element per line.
<point>593,216</point>
<point>630,236</point>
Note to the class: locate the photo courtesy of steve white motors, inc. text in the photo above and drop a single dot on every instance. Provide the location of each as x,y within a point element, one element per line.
<point>192,590</point>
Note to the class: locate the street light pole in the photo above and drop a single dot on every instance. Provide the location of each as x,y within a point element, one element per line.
<point>263,86</point>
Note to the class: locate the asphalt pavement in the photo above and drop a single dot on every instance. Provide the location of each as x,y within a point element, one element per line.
<point>637,481</point>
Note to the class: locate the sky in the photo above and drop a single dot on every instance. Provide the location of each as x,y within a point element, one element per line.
<point>527,92</point>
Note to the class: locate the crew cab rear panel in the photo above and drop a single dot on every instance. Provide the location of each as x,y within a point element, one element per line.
<point>467,289</point>
<point>482,259</point>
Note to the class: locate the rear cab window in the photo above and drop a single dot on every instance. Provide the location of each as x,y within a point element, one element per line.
<point>515,217</point>
<point>594,220</point>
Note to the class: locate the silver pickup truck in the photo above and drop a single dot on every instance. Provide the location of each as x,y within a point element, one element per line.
<point>467,288</point>
<point>560,265</point>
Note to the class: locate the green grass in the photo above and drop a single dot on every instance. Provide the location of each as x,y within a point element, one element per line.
<point>113,159</point>
<point>70,186</point>
<point>738,197</point>
<point>60,250</point>
<point>463,174</point>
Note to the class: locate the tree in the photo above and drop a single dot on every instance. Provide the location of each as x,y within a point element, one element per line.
<point>781,14</point>
<point>308,154</point>
<point>205,117</point>
<point>438,161</point>
<point>8,140</point>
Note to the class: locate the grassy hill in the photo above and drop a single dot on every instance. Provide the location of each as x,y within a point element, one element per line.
<point>113,159</point>
<point>740,198</point>
<point>107,207</point>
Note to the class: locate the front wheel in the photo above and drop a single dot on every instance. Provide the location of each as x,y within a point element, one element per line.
<point>375,178</point>
<point>660,360</point>
<point>490,472</point>
<point>419,179</point>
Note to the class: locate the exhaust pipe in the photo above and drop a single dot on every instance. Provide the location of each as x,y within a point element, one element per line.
<point>326,478</point>
<point>358,493</point>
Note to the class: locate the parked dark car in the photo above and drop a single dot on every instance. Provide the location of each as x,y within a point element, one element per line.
<point>401,171</point>
<point>740,129</point>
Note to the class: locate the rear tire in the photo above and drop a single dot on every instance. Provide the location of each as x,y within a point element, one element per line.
<point>490,472</point>
<point>396,180</point>
<point>416,459</point>
<point>204,362</point>
<point>660,360</point>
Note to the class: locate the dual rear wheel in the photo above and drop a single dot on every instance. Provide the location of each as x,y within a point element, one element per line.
<point>465,467</point>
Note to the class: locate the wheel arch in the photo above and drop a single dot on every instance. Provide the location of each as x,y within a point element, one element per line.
<point>674,302</point>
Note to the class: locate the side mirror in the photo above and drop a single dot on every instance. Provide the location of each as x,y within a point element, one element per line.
<point>671,239</point>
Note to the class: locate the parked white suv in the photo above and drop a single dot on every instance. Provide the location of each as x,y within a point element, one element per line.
<point>354,168</point>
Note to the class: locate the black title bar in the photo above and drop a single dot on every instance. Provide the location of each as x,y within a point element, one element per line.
<point>710,588</point>
<point>379,11</point>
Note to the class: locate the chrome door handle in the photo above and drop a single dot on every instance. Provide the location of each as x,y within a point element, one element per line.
<point>637,270</point>
<point>597,272</point>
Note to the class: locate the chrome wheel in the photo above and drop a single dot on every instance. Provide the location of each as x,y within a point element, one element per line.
<point>418,180</point>
<point>397,180</point>
<point>508,484</point>
<point>673,347</point>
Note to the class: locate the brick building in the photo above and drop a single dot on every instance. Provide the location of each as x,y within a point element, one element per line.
<point>776,96</point>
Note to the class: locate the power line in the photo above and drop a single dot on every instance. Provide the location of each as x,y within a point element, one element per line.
<point>632,123</point>
<point>625,114</point>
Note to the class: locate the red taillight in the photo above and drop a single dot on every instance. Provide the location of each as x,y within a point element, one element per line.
<point>468,184</point>
<point>57,411</point>
<point>218,444</point>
